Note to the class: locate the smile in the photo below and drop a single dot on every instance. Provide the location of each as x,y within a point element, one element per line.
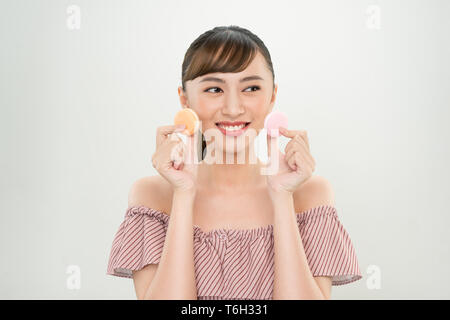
<point>233,130</point>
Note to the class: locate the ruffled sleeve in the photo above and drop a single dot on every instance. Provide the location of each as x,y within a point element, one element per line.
<point>138,242</point>
<point>328,246</point>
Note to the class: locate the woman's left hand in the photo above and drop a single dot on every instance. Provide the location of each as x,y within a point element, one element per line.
<point>295,166</point>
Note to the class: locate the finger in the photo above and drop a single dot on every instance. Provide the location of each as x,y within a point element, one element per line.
<point>180,151</point>
<point>175,152</point>
<point>306,157</point>
<point>179,166</point>
<point>311,162</point>
<point>292,133</point>
<point>307,169</point>
<point>306,160</point>
<point>295,146</point>
<point>288,133</point>
<point>291,161</point>
<point>185,152</point>
<point>190,149</point>
<point>304,135</point>
<point>162,133</point>
<point>173,144</point>
<point>298,162</point>
<point>180,156</point>
<point>289,146</point>
<point>298,144</point>
<point>177,162</point>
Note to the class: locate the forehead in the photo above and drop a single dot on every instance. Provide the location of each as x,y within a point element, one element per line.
<point>256,67</point>
<point>258,64</point>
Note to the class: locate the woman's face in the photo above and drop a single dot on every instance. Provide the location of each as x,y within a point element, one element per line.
<point>219,97</point>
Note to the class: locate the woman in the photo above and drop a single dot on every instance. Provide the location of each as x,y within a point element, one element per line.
<point>234,233</point>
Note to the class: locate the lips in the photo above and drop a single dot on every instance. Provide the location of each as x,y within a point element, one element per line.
<point>228,123</point>
<point>235,132</point>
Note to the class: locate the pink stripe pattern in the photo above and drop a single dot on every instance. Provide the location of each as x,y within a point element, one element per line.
<point>233,264</point>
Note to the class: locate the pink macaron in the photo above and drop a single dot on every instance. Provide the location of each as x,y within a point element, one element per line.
<point>275,120</point>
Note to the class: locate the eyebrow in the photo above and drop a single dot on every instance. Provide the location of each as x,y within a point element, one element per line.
<point>223,81</point>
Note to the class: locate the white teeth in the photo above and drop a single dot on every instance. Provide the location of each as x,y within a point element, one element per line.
<point>232,128</point>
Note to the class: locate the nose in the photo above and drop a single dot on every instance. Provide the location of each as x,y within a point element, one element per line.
<point>233,107</point>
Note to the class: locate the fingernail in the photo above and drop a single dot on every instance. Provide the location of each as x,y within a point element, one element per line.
<point>181,126</point>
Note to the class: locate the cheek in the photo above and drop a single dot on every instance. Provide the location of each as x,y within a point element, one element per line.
<point>258,108</point>
<point>205,112</point>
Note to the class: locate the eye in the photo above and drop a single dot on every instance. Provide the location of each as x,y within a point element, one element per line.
<point>207,90</point>
<point>257,88</point>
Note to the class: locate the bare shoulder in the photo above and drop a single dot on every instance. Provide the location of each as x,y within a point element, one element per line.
<point>315,191</point>
<point>151,191</point>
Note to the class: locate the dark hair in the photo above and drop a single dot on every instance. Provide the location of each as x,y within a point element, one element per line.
<point>222,49</point>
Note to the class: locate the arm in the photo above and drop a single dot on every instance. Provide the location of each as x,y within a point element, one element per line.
<point>174,277</point>
<point>293,278</point>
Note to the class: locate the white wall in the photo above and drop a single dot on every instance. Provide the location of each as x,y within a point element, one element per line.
<point>79,110</point>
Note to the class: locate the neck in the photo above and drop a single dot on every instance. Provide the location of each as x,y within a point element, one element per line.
<point>237,176</point>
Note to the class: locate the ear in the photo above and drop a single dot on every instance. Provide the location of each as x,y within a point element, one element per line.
<point>182,96</point>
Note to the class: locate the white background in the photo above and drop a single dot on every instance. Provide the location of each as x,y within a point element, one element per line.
<point>79,110</point>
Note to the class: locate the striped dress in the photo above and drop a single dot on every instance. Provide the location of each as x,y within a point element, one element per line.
<point>236,263</point>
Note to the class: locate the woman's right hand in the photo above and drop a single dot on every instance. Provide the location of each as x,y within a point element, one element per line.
<point>174,160</point>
